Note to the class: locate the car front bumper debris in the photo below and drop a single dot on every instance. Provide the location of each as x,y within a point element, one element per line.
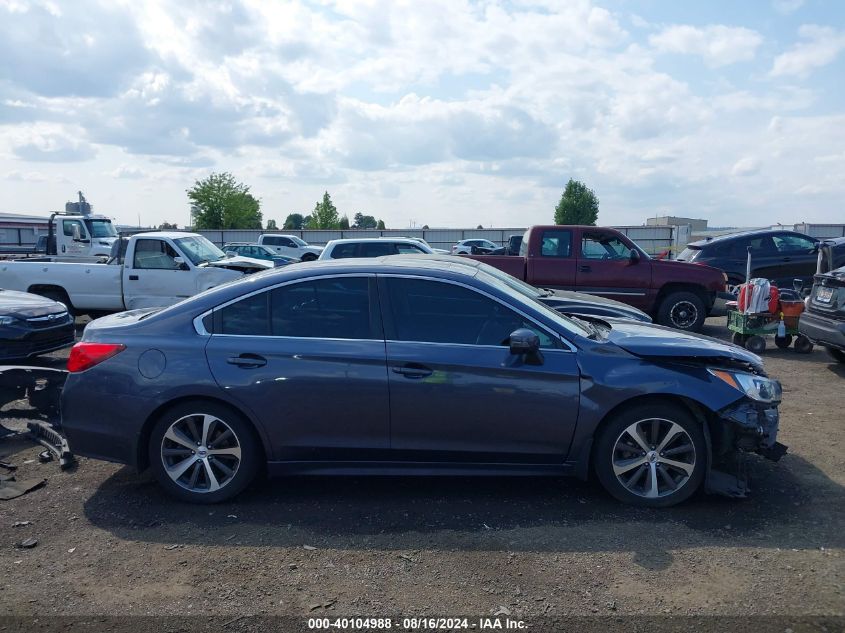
<point>745,428</point>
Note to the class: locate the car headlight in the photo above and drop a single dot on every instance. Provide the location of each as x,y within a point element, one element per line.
<point>755,387</point>
<point>7,320</point>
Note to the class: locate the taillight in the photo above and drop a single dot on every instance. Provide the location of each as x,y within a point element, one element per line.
<point>85,355</point>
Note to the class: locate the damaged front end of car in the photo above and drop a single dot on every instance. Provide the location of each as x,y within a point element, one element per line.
<point>747,426</point>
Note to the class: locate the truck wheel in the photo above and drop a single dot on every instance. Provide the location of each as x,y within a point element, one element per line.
<point>308,257</point>
<point>203,452</point>
<point>836,354</point>
<point>651,455</point>
<point>682,310</point>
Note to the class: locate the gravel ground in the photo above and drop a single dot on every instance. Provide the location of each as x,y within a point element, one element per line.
<point>110,543</point>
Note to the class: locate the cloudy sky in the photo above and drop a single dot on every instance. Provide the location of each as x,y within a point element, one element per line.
<point>440,112</point>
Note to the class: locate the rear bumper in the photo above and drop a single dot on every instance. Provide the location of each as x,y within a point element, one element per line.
<point>822,330</point>
<point>110,434</point>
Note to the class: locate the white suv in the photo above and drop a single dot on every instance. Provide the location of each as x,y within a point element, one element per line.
<point>374,247</point>
<point>290,246</point>
<point>482,247</point>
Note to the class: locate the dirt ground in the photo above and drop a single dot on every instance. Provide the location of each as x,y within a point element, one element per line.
<point>111,543</point>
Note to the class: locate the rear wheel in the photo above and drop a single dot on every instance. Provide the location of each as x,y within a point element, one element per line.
<point>651,455</point>
<point>755,344</point>
<point>783,341</point>
<point>203,452</point>
<point>836,354</point>
<point>803,345</point>
<point>682,310</point>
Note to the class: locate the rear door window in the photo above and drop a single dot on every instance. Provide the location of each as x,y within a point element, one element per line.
<point>555,243</point>
<point>343,251</point>
<point>377,249</point>
<point>337,307</point>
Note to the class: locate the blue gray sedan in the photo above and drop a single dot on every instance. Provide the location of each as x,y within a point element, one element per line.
<point>404,366</point>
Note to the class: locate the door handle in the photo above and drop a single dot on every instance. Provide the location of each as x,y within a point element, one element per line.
<point>247,361</point>
<point>584,268</point>
<point>133,277</point>
<point>412,370</point>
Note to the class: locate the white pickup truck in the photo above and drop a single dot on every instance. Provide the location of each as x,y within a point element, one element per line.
<point>158,269</point>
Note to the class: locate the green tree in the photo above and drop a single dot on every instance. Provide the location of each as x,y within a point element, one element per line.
<point>380,226</point>
<point>167,226</point>
<point>221,202</point>
<point>344,223</point>
<point>361,221</point>
<point>271,225</point>
<point>294,221</point>
<point>479,227</point>
<point>325,214</point>
<point>578,205</point>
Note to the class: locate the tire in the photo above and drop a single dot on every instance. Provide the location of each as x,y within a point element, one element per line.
<point>755,344</point>
<point>646,485</point>
<point>836,354</point>
<point>308,257</point>
<point>803,345</point>
<point>682,310</point>
<point>783,342</point>
<point>179,428</point>
<point>57,294</point>
<point>739,339</point>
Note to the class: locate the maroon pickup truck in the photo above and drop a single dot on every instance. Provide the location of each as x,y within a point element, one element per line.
<point>603,261</point>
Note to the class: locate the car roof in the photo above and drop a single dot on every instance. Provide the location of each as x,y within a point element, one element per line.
<point>356,240</point>
<point>720,239</point>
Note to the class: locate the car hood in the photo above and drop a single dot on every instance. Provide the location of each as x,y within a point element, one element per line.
<point>653,341</point>
<point>24,305</point>
<point>238,262</point>
<point>570,300</point>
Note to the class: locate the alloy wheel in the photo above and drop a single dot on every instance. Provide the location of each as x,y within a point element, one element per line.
<point>200,452</point>
<point>683,314</point>
<point>653,458</point>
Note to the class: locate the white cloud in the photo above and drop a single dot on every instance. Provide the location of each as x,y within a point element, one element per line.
<point>718,45</point>
<point>787,6</point>
<point>823,46</point>
<point>747,166</point>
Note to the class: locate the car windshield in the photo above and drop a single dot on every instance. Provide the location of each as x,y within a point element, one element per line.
<point>569,325</point>
<point>100,228</point>
<point>199,250</point>
<point>298,241</point>
<point>689,254</point>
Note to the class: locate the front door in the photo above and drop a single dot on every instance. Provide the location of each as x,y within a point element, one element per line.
<point>605,268</point>
<point>307,358</point>
<point>456,392</point>
<point>153,278</point>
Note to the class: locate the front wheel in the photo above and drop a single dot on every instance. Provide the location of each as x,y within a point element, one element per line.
<point>203,452</point>
<point>651,455</point>
<point>682,310</point>
<point>308,257</point>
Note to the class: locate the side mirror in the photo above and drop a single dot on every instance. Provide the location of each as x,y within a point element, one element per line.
<point>635,256</point>
<point>230,253</point>
<point>180,263</point>
<point>524,341</point>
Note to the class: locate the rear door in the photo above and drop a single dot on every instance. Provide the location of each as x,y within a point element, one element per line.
<point>457,394</point>
<point>799,258</point>
<point>605,268</point>
<point>552,264</point>
<point>152,277</point>
<point>308,359</point>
